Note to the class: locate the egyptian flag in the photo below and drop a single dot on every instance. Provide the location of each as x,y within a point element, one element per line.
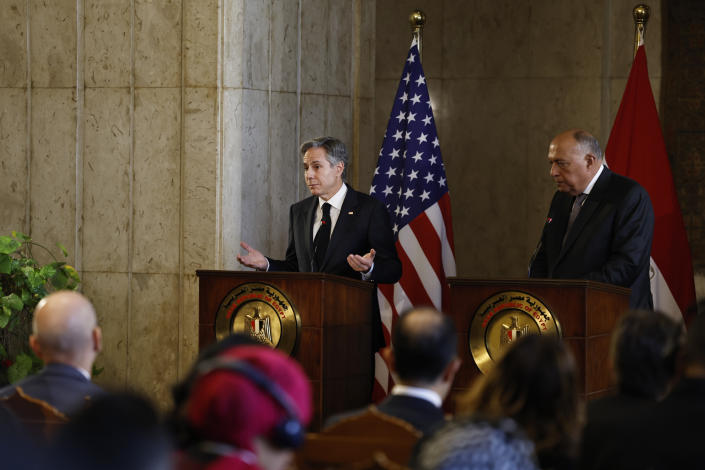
<point>636,149</point>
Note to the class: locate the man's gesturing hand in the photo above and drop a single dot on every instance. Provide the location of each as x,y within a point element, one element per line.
<point>362,264</point>
<point>253,258</point>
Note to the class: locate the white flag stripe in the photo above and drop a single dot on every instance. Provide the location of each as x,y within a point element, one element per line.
<point>417,256</point>
<point>381,372</point>
<point>401,300</point>
<point>435,215</point>
<point>401,303</point>
<point>385,310</point>
<point>448,259</point>
<point>663,298</point>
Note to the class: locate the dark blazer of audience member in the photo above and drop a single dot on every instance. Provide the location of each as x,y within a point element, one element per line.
<point>423,360</point>
<point>66,337</point>
<point>644,353</point>
<point>535,385</point>
<point>671,434</point>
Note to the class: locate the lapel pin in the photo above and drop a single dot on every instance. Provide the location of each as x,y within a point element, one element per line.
<point>350,213</point>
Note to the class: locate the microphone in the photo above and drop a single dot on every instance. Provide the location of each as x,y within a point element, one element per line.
<point>539,244</point>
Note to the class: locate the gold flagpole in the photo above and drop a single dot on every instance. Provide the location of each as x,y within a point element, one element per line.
<point>641,17</point>
<point>417,19</point>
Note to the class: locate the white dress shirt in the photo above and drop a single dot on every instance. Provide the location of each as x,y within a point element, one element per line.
<point>418,392</point>
<point>336,204</point>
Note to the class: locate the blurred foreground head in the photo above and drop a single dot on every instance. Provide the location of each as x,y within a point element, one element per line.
<point>535,383</point>
<point>65,330</point>
<point>119,431</point>
<point>423,352</point>
<point>646,346</point>
<point>252,402</point>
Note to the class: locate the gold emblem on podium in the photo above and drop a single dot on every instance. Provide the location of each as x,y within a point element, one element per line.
<point>261,311</point>
<point>504,318</point>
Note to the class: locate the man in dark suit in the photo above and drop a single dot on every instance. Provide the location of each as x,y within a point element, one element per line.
<point>66,337</point>
<point>600,224</point>
<point>423,360</point>
<point>337,230</point>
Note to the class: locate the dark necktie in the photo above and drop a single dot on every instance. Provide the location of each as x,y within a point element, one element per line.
<point>320,242</point>
<point>575,210</point>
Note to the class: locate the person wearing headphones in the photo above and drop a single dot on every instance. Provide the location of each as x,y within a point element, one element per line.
<point>245,408</point>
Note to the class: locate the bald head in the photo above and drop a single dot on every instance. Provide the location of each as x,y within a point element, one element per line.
<point>575,157</point>
<point>65,330</point>
<point>424,342</point>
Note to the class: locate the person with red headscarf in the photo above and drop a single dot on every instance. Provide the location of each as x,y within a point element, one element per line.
<point>246,408</point>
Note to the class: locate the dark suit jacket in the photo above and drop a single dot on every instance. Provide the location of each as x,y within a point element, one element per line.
<point>60,385</point>
<point>610,240</point>
<point>664,436</point>
<point>420,413</point>
<point>609,421</point>
<point>363,224</point>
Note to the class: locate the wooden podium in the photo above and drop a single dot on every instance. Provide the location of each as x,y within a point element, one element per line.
<point>586,310</point>
<point>334,343</point>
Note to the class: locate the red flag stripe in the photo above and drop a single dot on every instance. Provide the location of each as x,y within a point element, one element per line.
<point>410,281</point>
<point>423,229</point>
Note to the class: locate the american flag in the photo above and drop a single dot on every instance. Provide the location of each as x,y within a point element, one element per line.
<point>410,180</point>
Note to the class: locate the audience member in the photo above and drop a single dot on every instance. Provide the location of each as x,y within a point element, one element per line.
<point>247,408</point>
<point>114,432</point>
<point>66,337</point>
<point>672,433</point>
<point>645,350</point>
<point>17,447</point>
<point>176,421</point>
<point>525,412</point>
<point>423,360</point>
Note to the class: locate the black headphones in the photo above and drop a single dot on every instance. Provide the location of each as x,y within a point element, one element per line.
<point>287,433</point>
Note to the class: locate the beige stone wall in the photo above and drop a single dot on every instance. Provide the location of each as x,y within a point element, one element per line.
<point>150,137</point>
<point>504,78</point>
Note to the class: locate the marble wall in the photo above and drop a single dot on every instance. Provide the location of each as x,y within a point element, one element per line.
<point>504,78</point>
<point>127,127</point>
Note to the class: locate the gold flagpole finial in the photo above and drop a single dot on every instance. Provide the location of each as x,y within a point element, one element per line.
<point>641,17</point>
<point>417,20</point>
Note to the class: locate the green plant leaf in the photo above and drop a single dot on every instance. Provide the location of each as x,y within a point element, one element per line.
<point>5,263</point>
<point>5,316</point>
<point>34,279</point>
<point>3,353</point>
<point>96,371</point>
<point>73,276</point>
<point>20,368</point>
<point>47,272</point>
<point>8,245</point>
<point>12,301</point>
<point>26,297</point>
<point>63,249</point>
<point>59,280</point>
<point>16,234</point>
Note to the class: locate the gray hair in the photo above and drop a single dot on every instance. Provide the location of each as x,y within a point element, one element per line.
<point>588,144</point>
<point>335,151</point>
